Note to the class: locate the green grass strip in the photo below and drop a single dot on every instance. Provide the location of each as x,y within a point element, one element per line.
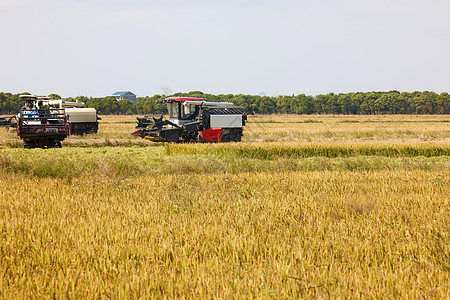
<point>330,151</point>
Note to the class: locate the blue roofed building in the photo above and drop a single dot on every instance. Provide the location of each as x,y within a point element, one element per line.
<point>125,95</point>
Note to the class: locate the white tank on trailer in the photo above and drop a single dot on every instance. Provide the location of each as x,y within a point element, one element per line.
<point>81,115</point>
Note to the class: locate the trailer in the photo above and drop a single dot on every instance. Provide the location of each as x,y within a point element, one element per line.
<point>81,119</point>
<point>194,120</point>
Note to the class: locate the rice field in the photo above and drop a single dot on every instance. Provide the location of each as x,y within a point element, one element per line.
<point>304,207</point>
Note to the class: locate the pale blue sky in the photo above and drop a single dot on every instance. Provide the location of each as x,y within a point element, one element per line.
<point>97,47</point>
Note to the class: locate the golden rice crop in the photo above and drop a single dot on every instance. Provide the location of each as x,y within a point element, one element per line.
<point>288,128</point>
<point>284,235</point>
<point>304,207</point>
<point>288,234</point>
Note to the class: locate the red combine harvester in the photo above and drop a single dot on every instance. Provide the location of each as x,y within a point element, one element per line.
<point>194,120</point>
<point>44,122</point>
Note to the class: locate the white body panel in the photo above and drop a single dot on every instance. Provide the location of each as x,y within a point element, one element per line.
<point>81,115</point>
<point>209,104</point>
<point>179,122</point>
<point>226,121</point>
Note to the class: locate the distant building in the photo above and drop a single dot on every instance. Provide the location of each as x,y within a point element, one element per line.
<point>125,95</point>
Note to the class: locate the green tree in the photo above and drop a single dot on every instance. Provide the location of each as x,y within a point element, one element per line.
<point>55,96</point>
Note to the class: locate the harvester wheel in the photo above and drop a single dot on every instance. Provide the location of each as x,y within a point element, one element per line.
<point>52,144</point>
<point>29,144</point>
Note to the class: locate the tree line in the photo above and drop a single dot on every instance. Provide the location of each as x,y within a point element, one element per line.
<point>368,103</point>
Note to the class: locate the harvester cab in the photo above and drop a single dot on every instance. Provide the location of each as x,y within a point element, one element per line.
<point>194,120</point>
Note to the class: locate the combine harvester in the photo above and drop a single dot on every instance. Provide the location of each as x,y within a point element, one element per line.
<point>41,126</point>
<point>194,120</point>
<point>7,121</point>
<point>44,122</point>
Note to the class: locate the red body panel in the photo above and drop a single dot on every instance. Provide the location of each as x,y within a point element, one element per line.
<point>137,132</point>
<point>180,99</point>
<point>211,134</point>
